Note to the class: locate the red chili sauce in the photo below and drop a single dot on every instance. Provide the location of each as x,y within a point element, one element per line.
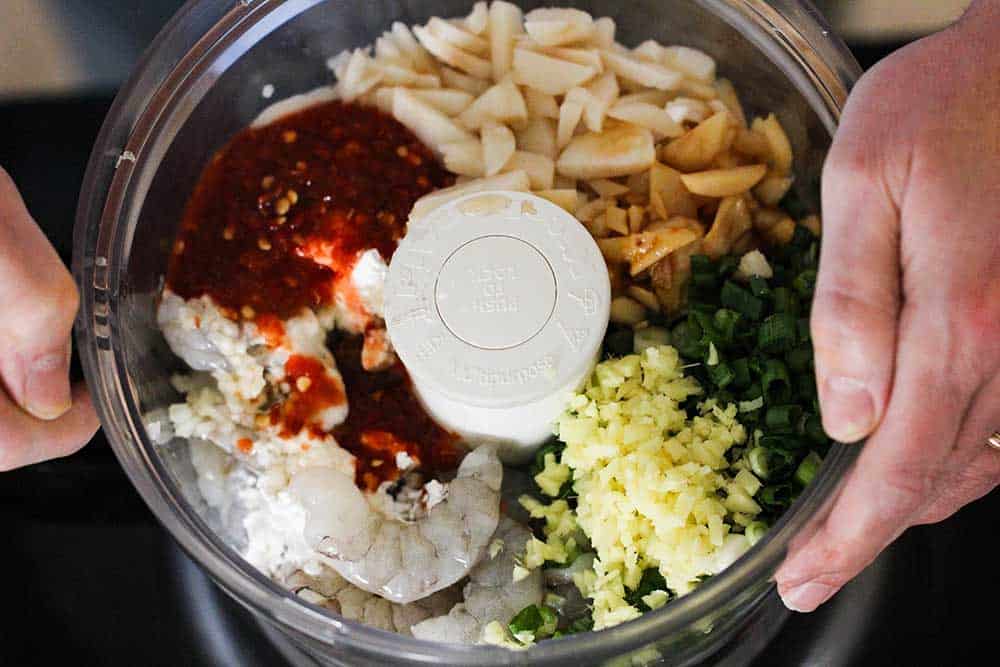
<point>386,418</point>
<point>277,220</point>
<point>338,174</point>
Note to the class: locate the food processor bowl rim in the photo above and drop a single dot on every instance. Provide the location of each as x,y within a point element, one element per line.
<point>187,46</point>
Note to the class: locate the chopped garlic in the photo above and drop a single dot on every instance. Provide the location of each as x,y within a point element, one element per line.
<point>520,573</point>
<point>754,265</point>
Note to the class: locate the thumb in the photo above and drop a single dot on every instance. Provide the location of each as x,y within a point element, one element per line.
<point>38,303</point>
<point>857,298</point>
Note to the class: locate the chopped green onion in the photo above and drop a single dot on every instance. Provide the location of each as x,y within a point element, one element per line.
<point>781,442</point>
<point>806,471</point>
<point>741,372</point>
<point>775,382</point>
<point>805,334</point>
<point>554,601</point>
<point>758,460</point>
<point>811,258</point>
<point>806,386</point>
<point>721,374</point>
<point>727,265</point>
<point>725,397</point>
<point>776,497</point>
<point>686,337</point>
<point>750,406</point>
<point>799,359</point>
<point>813,428</point>
<point>549,624</point>
<point>725,322</point>
<point>705,280</point>
<point>528,619</point>
<point>801,238</point>
<point>746,304</point>
<point>784,418</point>
<point>805,283</point>
<point>582,624</point>
<point>768,463</point>
<point>754,531</point>
<point>785,301</point>
<point>759,287</point>
<point>777,333</point>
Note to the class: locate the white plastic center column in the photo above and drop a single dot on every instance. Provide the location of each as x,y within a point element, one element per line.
<point>497,304</point>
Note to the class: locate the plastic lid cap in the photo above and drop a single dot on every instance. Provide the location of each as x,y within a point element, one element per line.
<point>497,299</point>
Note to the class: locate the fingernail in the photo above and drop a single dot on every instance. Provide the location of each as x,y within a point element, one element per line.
<point>806,597</point>
<point>848,409</point>
<point>46,390</point>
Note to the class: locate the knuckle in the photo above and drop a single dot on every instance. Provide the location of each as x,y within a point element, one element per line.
<point>840,309</point>
<point>905,489</point>
<point>65,296</point>
<point>836,562</point>
<point>976,315</point>
<point>52,309</point>
<point>849,162</point>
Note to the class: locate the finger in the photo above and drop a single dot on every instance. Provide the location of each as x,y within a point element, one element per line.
<point>38,302</point>
<point>896,475</point>
<point>857,298</point>
<point>976,469</point>
<point>25,440</point>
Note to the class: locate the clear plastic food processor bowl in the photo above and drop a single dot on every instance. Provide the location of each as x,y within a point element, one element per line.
<point>202,81</point>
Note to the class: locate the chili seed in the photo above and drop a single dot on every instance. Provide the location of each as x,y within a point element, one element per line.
<point>281,206</point>
<point>303,384</point>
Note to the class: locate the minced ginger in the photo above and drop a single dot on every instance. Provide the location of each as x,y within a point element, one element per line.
<point>653,487</point>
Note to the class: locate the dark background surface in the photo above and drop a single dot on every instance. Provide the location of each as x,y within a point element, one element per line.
<point>92,579</point>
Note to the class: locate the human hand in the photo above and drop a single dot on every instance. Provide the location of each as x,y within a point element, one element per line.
<point>906,317</point>
<point>41,416</point>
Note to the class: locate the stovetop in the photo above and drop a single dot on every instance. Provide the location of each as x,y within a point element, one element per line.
<point>92,578</point>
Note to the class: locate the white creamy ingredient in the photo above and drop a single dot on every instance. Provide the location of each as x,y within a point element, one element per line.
<point>368,278</point>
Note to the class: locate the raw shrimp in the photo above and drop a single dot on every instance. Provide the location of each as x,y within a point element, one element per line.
<point>403,561</point>
<point>491,594</point>
<point>207,340</point>
<point>331,591</point>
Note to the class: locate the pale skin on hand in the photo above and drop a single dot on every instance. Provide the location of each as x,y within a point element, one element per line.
<point>41,415</point>
<point>907,306</point>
